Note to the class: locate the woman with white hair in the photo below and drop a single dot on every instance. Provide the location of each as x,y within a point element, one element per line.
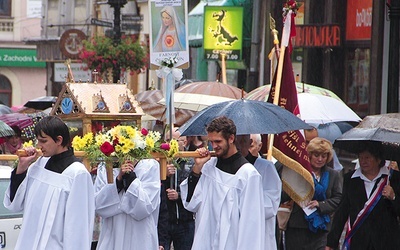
<point>171,36</point>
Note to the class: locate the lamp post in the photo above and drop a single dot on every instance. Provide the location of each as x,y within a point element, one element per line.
<point>393,71</point>
<point>117,5</point>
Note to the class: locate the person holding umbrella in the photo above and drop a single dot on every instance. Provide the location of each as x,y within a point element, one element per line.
<point>226,193</point>
<point>12,143</point>
<point>370,204</point>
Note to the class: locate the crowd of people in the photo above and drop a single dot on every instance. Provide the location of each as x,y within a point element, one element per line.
<point>228,200</point>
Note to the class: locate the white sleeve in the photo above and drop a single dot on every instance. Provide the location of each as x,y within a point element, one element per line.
<point>142,197</point>
<point>79,213</point>
<point>272,187</point>
<point>107,199</point>
<point>251,228</point>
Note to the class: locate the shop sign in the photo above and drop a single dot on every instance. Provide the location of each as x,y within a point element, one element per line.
<point>317,36</point>
<point>61,72</point>
<point>223,28</point>
<point>359,20</point>
<point>20,58</point>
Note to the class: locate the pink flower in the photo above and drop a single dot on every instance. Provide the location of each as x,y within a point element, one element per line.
<point>165,146</point>
<point>144,131</point>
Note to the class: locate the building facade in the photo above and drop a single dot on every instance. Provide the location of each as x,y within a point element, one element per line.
<point>22,76</point>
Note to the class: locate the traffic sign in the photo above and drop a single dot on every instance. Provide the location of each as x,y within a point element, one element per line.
<point>131,17</point>
<point>98,22</point>
<point>131,26</point>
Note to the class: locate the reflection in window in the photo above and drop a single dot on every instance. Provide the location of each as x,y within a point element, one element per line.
<point>5,8</point>
<point>5,90</point>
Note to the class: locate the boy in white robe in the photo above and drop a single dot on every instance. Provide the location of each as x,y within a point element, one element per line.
<point>226,193</point>
<point>55,193</point>
<point>129,207</point>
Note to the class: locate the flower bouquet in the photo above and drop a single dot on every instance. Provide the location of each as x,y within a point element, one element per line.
<point>124,143</point>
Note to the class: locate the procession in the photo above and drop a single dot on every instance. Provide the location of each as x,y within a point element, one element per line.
<point>130,146</point>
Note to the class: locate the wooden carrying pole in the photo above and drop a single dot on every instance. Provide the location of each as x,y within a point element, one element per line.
<point>81,154</point>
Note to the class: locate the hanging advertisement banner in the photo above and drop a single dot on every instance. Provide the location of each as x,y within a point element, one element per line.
<point>223,28</point>
<point>168,33</point>
<point>359,20</point>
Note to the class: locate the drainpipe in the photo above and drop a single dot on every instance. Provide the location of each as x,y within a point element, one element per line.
<point>393,69</point>
<point>252,81</point>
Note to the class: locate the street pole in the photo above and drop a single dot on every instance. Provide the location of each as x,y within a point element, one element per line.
<point>393,68</point>
<point>117,5</point>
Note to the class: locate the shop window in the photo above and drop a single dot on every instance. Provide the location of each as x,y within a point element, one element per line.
<point>5,8</point>
<point>5,90</point>
<point>357,79</point>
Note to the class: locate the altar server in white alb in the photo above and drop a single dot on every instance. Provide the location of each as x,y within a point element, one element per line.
<point>226,193</point>
<point>272,184</point>
<point>55,193</point>
<point>129,206</point>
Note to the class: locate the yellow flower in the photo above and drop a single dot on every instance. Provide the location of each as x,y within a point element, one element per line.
<point>150,142</point>
<point>28,144</point>
<point>174,148</point>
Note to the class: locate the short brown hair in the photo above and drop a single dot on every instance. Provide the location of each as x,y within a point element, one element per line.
<point>224,125</point>
<point>320,145</point>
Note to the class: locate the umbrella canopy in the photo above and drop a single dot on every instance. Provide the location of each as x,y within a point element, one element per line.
<point>333,130</point>
<point>261,93</point>
<point>148,101</point>
<point>41,103</point>
<point>195,102</point>
<point>324,109</point>
<point>17,119</point>
<point>383,128</point>
<point>4,109</point>
<point>317,105</point>
<point>250,117</point>
<point>5,130</point>
<point>212,88</point>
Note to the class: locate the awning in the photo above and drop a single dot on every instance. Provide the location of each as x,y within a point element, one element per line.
<point>196,20</point>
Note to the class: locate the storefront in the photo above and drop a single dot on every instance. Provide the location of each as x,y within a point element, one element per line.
<point>334,49</point>
<point>19,71</point>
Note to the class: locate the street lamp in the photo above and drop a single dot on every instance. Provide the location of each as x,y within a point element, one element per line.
<point>117,5</point>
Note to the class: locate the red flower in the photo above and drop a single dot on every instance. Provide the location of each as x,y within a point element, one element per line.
<point>144,131</point>
<point>106,148</point>
<point>165,146</point>
<point>115,141</point>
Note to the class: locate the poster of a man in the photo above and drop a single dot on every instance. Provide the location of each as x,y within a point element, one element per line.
<point>168,36</point>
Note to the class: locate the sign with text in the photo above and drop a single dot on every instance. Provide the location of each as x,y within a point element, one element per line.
<point>20,58</point>
<point>359,20</point>
<point>223,28</point>
<point>311,36</point>
<point>61,72</point>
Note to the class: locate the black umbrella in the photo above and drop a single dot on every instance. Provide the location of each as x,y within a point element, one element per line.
<point>250,117</point>
<point>383,129</point>
<point>41,103</point>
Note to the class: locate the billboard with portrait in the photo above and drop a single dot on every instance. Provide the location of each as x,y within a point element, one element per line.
<point>168,32</point>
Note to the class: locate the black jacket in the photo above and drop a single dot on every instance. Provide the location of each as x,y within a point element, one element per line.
<point>380,230</point>
<point>177,213</point>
